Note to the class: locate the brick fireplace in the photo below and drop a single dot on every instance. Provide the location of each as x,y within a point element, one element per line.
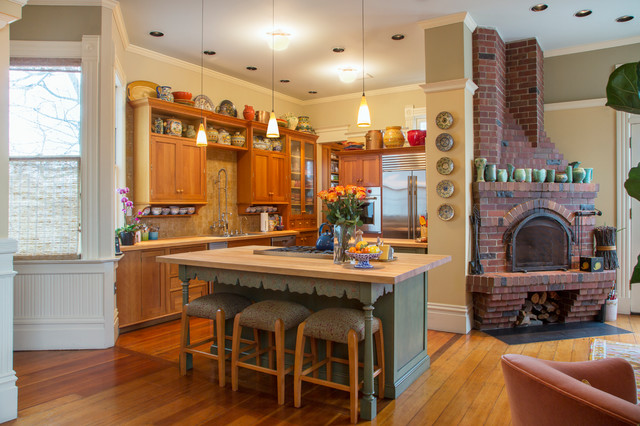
<point>509,129</point>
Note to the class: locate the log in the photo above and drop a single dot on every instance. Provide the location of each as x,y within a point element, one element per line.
<point>535,322</point>
<point>543,298</point>
<point>528,305</point>
<point>543,316</point>
<point>549,306</point>
<point>535,298</point>
<point>554,295</point>
<point>552,318</point>
<point>538,308</point>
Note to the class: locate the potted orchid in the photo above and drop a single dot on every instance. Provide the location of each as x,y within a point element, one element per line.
<point>127,232</point>
<point>343,208</point>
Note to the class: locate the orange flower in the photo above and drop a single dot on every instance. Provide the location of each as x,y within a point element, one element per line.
<point>339,190</point>
<point>322,195</point>
<point>332,197</point>
<point>351,189</point>
<point>361,195</point>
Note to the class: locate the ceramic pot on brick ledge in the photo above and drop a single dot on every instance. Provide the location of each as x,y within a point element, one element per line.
<point>480,164</point>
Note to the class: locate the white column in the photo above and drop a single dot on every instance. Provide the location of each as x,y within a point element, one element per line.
<point>8,389</point>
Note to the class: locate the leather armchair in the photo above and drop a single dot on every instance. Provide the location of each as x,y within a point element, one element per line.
<point>553,393</point>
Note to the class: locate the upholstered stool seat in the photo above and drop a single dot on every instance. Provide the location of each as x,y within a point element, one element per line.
<point>337,325</point>
<point>274,317</point>
<point>217,307</point>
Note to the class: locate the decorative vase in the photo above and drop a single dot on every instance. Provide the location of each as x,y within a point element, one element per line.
<point>224,137</point>
<point>578,173</point>
<point>527,174</point>
<point>158,125</point>
<point>519,175</point>
<point>292,120</point>
<point>561,177</point>
<point>191,131</point>
<point>393,137</point>
<point>588,175</point>
<point>164,93</point>
<point>212,135</point>
<point>502,175</point>
<point>373,139</point>
<point>249,113</point>
<point>569,172</point>
<point>510,169</point>
<point>551,175</point>
<point>237,139</point>
<point>480,164</point>
<point>341,235</point>
<point>127,238</point>
<point>173,127</point>
<point>490,173</point>
<point>539,175</point>
<point>303,124</point>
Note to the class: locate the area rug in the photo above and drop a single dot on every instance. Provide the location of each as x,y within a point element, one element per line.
<point>545,333</point>
<point>601,349</point>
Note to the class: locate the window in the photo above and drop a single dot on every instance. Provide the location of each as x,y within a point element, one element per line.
<point>44,157</point>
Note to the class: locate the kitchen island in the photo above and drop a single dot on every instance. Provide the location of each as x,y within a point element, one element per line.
<point>397,290</point>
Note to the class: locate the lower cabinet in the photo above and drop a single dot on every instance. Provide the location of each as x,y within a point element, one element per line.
<point>307,238</point>
<point>147,290</point>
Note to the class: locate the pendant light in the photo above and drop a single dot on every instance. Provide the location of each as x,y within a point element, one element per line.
<point>364,118</point>
<point>201,138</point>
<point>272,127</point>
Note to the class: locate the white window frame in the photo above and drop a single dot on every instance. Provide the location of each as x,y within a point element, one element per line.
<point>88,51</point>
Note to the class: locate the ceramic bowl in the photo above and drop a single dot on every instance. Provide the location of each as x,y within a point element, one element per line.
<point>416,137</point>
<point>281,122</point>
<point>184,210</point>
<point>174,209</point>
<point>146,211</point>
<point>183,96</point>
<point>166,210</point>
<point>191,210</point>
<point>156,210</point>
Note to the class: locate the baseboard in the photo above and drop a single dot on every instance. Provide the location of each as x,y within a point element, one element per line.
<point>8,399</point>
<point>449,318</point>
<point>56,335</point>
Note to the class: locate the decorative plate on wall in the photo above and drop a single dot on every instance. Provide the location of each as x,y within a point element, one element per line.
<point>445,212</point>
<point>444,166</point>
<point>445,188</point>
<point>444,120</point>
<point>444,142</point>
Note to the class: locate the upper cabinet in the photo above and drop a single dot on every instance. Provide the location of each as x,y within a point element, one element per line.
<point>303,174</point>
<point>361,170</point>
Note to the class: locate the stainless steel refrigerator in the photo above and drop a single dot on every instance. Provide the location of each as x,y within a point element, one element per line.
<point>404,195</point>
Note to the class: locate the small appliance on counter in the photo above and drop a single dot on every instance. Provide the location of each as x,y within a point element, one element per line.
<point>264,222</point>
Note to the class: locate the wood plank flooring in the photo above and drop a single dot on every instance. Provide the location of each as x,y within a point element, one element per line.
<point>137,382</point>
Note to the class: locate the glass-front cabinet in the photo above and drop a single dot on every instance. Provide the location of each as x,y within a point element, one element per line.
<point>303,183</point>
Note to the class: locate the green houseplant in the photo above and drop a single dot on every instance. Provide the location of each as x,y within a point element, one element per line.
<point>127,232</point>
<point>623,94</point>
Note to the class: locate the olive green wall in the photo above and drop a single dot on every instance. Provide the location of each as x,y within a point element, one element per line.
<point>60,23</point>
<point>588,135</point>
<point>584,75</point>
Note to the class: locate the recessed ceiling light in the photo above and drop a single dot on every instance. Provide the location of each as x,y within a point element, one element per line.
<point>338,49</point>
<point>624,18</point>
<point>539,7</point>
<point>156,33</point>
<point>285,81</point>
<point>312,92</point>
<point>397,37</point>
<point>252,68</point>
<point>209,52</point>
<point>582,13</point>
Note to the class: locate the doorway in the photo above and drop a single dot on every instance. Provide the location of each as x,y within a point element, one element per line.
<point>634,213</point>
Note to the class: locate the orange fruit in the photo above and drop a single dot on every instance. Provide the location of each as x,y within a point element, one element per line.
<point>352,249</point>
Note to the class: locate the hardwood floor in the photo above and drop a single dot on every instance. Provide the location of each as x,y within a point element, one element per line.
<point>137,382</point>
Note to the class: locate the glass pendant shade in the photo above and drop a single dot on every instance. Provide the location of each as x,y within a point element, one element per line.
<point>364,118</point>
<point>201,138</point>
<point>347,75</point>
<point>278,40</point>
<point>272,128</point>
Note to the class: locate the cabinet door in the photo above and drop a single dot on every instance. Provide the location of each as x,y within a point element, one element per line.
<point>370,170</point>
<point>128,288</point>
<point>164,154</point>
<point>277,178</point>
<point>261,180</point>
<point>152,285</point>
<point>309,181</point>
<point>192,183</point>
<point>350,171</point>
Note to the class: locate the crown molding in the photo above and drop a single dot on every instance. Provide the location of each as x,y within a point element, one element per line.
<point>120,26</point>
<point>447,85</point>
<point>358,95</point>
<point>20,3</point>
<point>196,68</point>
<point>102,3</point>
<point>454,18</point>
<point>593,46</point>
<point>52,49</point>
<point>586,103</point>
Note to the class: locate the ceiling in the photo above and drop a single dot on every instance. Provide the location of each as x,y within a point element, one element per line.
<point>237,32</point>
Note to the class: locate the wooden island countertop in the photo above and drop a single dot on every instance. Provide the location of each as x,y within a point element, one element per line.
<point>243,259</point>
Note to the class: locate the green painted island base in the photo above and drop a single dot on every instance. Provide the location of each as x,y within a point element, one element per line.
<point>401,307</point>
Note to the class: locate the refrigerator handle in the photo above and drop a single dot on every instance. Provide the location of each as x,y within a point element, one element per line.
<point>409,205</point>
<point>414,206</point>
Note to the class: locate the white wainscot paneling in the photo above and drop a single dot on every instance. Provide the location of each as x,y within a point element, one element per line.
<point>64,306</point>
<point>8,389</point>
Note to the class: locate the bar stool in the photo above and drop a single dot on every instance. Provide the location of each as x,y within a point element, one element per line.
<point>217,307</point>
<point>340,325</point>
<point>275,317</point>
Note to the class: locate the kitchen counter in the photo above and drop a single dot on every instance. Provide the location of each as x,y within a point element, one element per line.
<point>397,291</point>
<point>400,242</point>
<point>205,239</point>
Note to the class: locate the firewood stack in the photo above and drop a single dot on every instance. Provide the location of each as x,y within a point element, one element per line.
<point>539,308</point>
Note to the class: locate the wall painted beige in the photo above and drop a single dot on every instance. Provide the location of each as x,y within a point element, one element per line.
<point>583,75</point>
<point>588,135</point>
<point>61,23</point>
<point>446,48</point>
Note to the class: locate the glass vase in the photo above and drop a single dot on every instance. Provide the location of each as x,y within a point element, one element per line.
<point>341,236</point>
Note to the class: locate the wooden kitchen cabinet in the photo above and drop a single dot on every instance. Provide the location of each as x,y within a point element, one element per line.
<point>270,177</point>
<point>197,288</point>
<point>361,170</point>
<point>308,238</point>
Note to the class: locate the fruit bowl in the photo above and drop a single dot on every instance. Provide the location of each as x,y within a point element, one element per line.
<point>182,96</point>
<point>362,259</point>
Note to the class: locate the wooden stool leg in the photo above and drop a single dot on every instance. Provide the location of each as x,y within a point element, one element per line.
<point>380,357</point>
<point>353,375</point>
<point>184,330</point>
<point>297,367</point>
<point>270,353</point>
<point>314,354</point>
<point>235,352</point>
<point>280,359</point>
<point>220,332</point>
<point>256,339</point>
<point>329,354</point>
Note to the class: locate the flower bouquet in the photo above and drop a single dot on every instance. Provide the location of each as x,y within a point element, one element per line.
<point>343,208</point>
